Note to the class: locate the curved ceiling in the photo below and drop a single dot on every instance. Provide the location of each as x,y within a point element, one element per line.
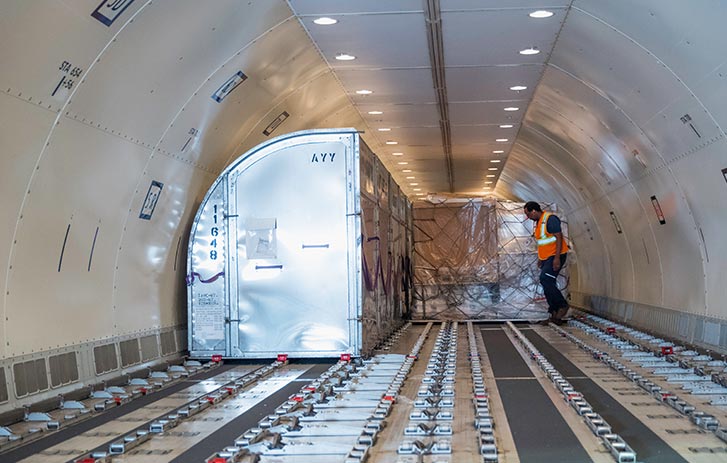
<point>624,102</point>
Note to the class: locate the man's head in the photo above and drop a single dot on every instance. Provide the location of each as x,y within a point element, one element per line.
<point>532,210</point>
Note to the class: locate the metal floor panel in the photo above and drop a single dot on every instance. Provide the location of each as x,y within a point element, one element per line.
<point>107,416</point>
<point>227,434</point>
<point>538,429</point>
<point>649,447</point>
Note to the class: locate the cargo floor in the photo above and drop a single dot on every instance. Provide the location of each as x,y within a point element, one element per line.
<point>532,422</point>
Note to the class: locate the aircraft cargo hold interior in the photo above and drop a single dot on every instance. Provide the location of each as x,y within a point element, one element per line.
<point>348,231</point>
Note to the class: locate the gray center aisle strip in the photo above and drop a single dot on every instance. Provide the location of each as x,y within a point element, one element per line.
<point>649,447</point>
<point>109,415</point>
<point>505,360</point>
<point>227,434</point>
<point>538,429</point>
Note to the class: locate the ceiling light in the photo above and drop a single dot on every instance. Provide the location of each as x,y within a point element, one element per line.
<point>490,176</point>
<point>397,154</point>
<point>530,51</point>
<point>406,171</point>
<point>492,168</point>
<point>384,129</point>
<point>392,142</point>
<point>501,140</point>
<point>540,14</point>
<point>488,182</point>
<point>506,126</point>
<point>413,184</point>
<point>376,113</point>
<point>364,92</point>
<point>411,177</point>
<point>511,108</point>
<point>324,21</point>
<point>517,88</point>
<point>420,194</point>
<point>498,152</point>
<point>345,57</point>
<point>495,160</point>
<point>402,163</point>
<point>417,189</point>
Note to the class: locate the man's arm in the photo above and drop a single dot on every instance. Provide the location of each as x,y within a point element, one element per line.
<point>558,247</point>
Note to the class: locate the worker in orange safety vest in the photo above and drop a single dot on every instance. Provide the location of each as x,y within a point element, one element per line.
<point>552,254</point>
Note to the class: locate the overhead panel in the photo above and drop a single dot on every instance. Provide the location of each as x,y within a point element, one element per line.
<point>486,112</point>
<point>688,50</point>
<point>475,37</point>
<point>492,81</point>
<point>378,32</point>
<point>329,7</point>
<point>390,86</point>
<point>597,118</point>
<point>630,77</point>
<point>528,5</point>
<point>402,115</point>
<point>483,134</point>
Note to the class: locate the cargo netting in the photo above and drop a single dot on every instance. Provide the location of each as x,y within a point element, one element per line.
<point>475,259</point>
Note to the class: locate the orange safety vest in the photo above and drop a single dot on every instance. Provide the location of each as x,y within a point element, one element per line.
<point>546,241</point>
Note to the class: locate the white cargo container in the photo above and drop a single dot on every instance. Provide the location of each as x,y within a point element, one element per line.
<point>300,247</point>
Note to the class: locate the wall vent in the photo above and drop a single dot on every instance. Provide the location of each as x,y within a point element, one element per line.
<point>30,377</point>
<point>129,352</point>
<point>105,358</point>
<point>169,345</point>
<point>3,386</point>
<point>63,369</point>
<point>149,347</point>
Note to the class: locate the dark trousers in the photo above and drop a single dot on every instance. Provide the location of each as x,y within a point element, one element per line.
<point>548,278</point>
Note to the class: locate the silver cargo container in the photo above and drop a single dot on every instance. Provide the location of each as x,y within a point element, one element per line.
<point>300,247</point>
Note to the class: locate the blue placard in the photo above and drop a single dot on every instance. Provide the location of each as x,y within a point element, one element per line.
<point>230,85</point>
<point>150,202</point>
<point>109,10</point>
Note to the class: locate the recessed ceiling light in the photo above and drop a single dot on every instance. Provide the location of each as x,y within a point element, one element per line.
<point>324,21</point>
<point>402,163</point>
<point>420,194</point>
<point>392,142</point>
<point>492,168</point>
<point>506,126</point>
<point>541,14</point>
<point>501,139</point>
<point>397,154</point>
<point>417,189</point>
<point>406,171</point>
<point>488,182</point>
<point>413,184</point>
<point>490,176</point>
<point>364,92</point>
<point>411,177</point>
<point>345,57</point>
<point>530,51</point>
<point>384,129</point>
<point>498,151</point>
<point>376,113</point>
<point>495,160</point>
<point>517,88</point>
<point>511,108</point>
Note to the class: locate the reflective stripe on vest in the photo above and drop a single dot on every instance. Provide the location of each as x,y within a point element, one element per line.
<point>544,238</point>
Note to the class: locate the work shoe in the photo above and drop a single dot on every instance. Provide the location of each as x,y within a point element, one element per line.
<point>560,313</point>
